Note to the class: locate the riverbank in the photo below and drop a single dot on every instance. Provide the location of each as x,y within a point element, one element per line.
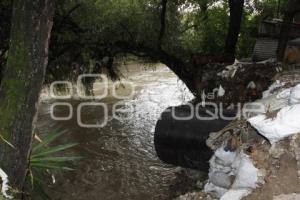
<point>258,157</point>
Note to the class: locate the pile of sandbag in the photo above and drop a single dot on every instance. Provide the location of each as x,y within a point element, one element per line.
<point>232,175</point>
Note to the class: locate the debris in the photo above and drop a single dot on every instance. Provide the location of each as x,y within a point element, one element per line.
<point>230,71</point>
<point>273,102</point>
<point>241,144</point>
<point>238,80</point>
<point>272,88</point>
<point>221,91</point>
<point>251,85</point>
<point>5,186</point>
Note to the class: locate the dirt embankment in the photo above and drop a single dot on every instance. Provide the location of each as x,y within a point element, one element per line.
<point>271,142</point>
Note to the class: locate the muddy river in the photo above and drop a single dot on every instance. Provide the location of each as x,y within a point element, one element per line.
<point>119,162</point>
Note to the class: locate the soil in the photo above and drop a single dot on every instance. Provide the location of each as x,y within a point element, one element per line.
<point>282,173</point>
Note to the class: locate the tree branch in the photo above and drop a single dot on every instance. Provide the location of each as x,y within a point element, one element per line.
<point>179,67</point>
<point>68,14</point>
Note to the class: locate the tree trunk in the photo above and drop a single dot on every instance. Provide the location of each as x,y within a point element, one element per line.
<point>162,22</point>
<point>22,81</point>
<point>236,13</point>
<point>284,36</point>
<point>204,7</point>
<point>292,8</point>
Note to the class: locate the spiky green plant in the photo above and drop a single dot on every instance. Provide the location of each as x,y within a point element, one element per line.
<point>2,197</point>
<point>45,158</point>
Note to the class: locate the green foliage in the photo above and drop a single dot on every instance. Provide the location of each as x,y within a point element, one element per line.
<point>267,9</point>
<point>87,30</point>
<point>190,29</point>
<point>43,155</point>
<point>209,34</point>
<point>2,197</point>
<point>44,160</point>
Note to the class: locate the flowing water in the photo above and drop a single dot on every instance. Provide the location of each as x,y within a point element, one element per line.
<point>119,162</point>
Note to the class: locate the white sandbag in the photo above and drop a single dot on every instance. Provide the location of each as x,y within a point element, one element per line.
<point>285,124</point>
<point>295,95</point>
<point>285,94</point>
<point>211,188</point>
<point>231,172</point>
<point>277,84</point>
<point>235,194</point>
<point>220,179</point>
<point>246,173</point>
<point>272,102</point>
<point>225,157</point>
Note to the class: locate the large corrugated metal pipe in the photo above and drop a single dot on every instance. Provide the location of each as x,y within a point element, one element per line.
<point>181,133</point>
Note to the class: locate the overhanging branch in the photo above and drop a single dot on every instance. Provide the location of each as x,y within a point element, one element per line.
<point>179,67</point>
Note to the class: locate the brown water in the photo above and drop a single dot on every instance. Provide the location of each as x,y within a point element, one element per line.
<point>119,159</point>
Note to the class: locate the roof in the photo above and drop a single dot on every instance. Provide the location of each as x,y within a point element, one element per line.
<point>272,29</point>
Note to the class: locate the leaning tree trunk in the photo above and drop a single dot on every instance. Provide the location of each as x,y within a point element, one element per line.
<point>236,13</point>
<point>22,81</point>
<point>292,8</point>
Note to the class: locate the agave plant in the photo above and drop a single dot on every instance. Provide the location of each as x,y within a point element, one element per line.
<point>2,197</point>
<point>42,155</point>
<point>44,160</point>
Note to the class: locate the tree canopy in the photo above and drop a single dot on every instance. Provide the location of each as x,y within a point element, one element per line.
<point>86,31</point>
